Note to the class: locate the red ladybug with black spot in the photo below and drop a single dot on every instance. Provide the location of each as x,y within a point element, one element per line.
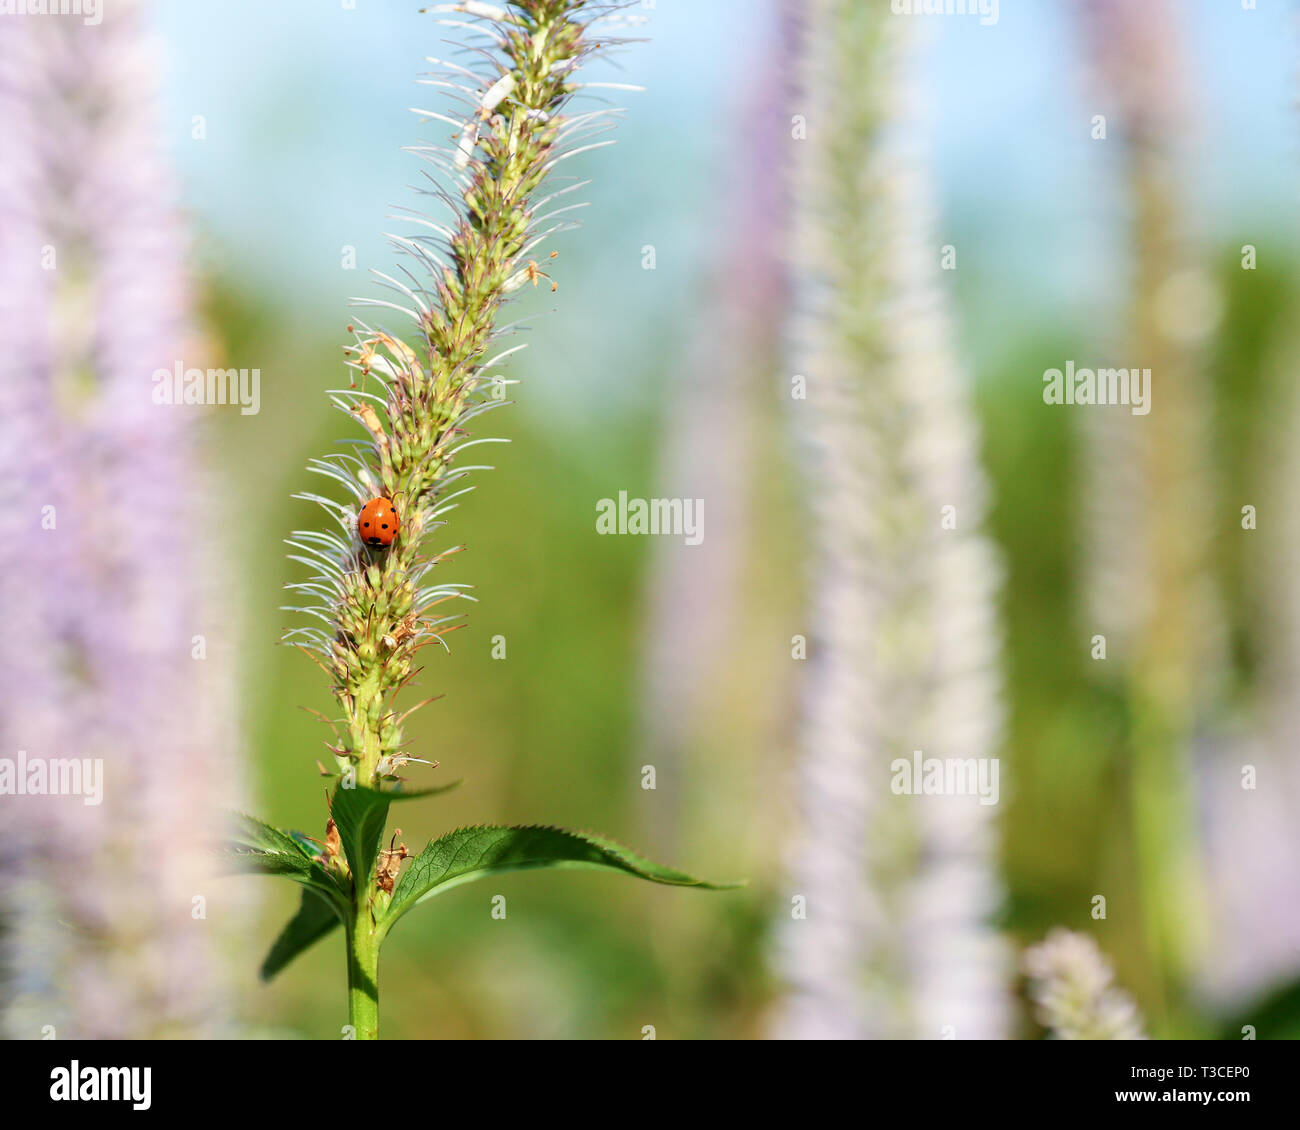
<point>377,524</point>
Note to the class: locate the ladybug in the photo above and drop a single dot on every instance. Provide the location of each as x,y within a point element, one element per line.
<point>378,522</point>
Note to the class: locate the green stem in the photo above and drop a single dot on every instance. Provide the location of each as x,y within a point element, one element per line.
<point>363,976</point>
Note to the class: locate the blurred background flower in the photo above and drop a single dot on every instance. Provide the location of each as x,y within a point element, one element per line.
<point>897,936</point>
<point>113,649</point>
<point>1072,990</point>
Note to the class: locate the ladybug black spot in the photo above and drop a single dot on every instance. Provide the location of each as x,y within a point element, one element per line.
<point>382,525</point>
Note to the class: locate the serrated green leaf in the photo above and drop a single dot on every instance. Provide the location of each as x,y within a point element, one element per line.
<point>316,917</point>
<point>472,853</point>
<point>256,847</point>
<point>361,815</point>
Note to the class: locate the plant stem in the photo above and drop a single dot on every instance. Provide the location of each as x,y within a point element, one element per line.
<point>363,976</point>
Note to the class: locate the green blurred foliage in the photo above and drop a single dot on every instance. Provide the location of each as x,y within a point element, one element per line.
<point>1066,832</point>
